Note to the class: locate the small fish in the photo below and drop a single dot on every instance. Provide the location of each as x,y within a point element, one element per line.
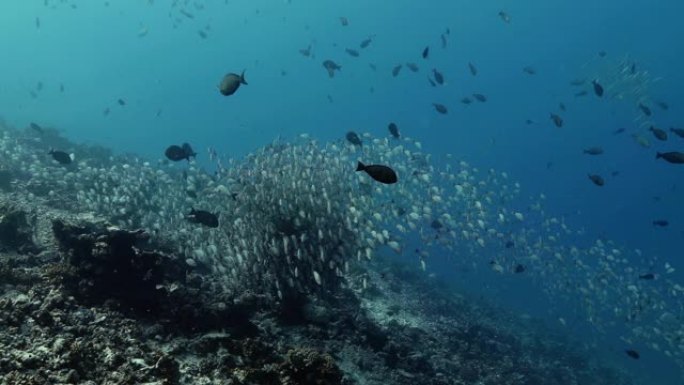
<point>632,353</point>
<point>664,106</point>
<point>529,121</point>
<point>480,98</point>
<point>439,78</point>
<point>440,108</point>
<point>39,86</point>
<point>505,17</point>
<point>396,69</point>
<point>530,70</point>
<point>331,67</point>
<point>593,151</point>
<point>602,53</point>
<point>344,21</point>
<point>443,39</point>
<point>61,157</point>
<point>674,157</point>
<point>658,133</point>
<point>436,224</point>
<point>519,269</point>
<point>661,223</point>
<point>472,68</point>
<point>382,174</point>
<point>645,109</point>
<point>557,120</point>
<point>561,106</point>
<point>581,93</point>
<point>353,138</point>
<point>366,42</point>
<point>426,52</point>
<point>412,66</point>
<point>202,34</point>
<point>598,89</point>
<point>466,100</point>
<point>36,127</point>
<point>177,153</point>
<point>677,131</point>
<point>394,130</point>
<point>352,52</point>
<point>203,217</point>
<point>305,51</point>
<point>596,179</point>
<point>37,23</point>
<point>619,131</point>
<point>121,102</point>
<point>231,82</point>
<point>647,276</point>
<point>106,111</point>
<point>61,88</point>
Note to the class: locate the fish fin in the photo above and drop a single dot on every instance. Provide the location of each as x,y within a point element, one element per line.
<point>360,166</point>
<point>242,78</point>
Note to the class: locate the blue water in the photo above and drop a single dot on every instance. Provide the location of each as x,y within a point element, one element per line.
<point>94,50</point>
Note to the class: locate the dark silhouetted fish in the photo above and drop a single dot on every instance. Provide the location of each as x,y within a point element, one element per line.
<point>178,153</point>
<point>353,138</point>
<point>619,131</point>
<point>203,217</point>
<point>646,111</point>
<point>426,52</point>
<point>440,108</point>
<point>121,102</point>
<point>439,78</point>
<point>344,21</point>
<point>473,69</point>
<point>661,223</point>
<point>352,52</point>
<point>382,174</point>
<point>231,82</point>
<point>466,100</point>
<point>598,89</point>
<point>593,151</point>
<point>596,179</point>
<point>505,17</point>
<point>632,353</point>
<point>602,53</point>
<point>557,120</point>
<point>647,276</point>
<point>561,106</point>
<point>394,130</point>
<point>61,157</point>
<point>331,67</point>
<point>658,133</point>
<point>36,127</point>
<point>530,70</point>
<point>306,51</point>
<point>396,69</point>
<point>677,131</point>
<point>519,269</point>
<point>443,38</point>
<point>509,244</point>
<point>366,42</point>
<point>480,98</point>
<point>412,66</point>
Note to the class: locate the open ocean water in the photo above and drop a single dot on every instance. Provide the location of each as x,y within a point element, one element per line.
<point>567,114</point>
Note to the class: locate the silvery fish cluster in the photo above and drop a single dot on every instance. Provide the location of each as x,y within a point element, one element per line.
<point>294,217</point>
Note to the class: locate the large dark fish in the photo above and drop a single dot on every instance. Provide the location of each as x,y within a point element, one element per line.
<point>177,153</point>
<point>353,138</point>
<point>382,174</point>
<point>596,179</point>
<point>394,130</point>
<point>440,108</point>
<point>598,89</point>
<point>331,67</point>
<point>231,82</point>
<point>203,217</point>
<point>658,133</point>
<point>61,157</point>
<point>675,157</point>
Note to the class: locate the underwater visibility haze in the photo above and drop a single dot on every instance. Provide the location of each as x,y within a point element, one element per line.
<point>341,192</point>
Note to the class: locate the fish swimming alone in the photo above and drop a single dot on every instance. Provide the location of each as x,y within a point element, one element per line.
<point>557,120</point>
<point>426,52</point>
<point>61,157</point>
<point>593,151</point>
<point>394,130</point>
<point>177,153</point>
<point>440,108</point>
<point>598,89</point>
<point>203,217</point>
<point>632,354</point>
<point>353,138</point>
<point>661,222</point>
<point>597,179</point>
<point>380,173</point>
<point>231,82</point>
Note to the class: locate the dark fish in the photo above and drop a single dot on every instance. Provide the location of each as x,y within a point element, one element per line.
<point>36,127</point>
<point>529,121</point>
<point>440,108</point>
<point>675,157</point>
<point>366,42</point>
<point>203,217</point>
<point>412,66</point>
<point>394,130</point>
<point>645,109</point>
<point>382,174</point>
<point>661,223</point>
<point>443,38</point>
<point>480,98</point>
<point>509,244</point>
<point>598,89</point>
<point>473,69</point>
<point>678,131</point>
<point>61,157</point>
<point>664,106</point>
<point>439,78</point>
<point>632,69</point>
<point>331,67</point>
<point>466,100</point>
<point>395,70</point>
<point>557,120</point>
<point>647,276</point>
<point>619,131</point>
<point>519,269</point>
<point>121,102</point>
<point>658,133</point>
<point>505,17</point>
<point>602,53</point>
<point>426,52</point>
<point>306,51</point>
<point>581,93</point>
<point>231,82</point>
<point>632,353</point>
<point>596,179</point>
<point>436,224</point>
<point>593,151</point>
<point>202,34</point>
<point>344,21</point>
<point>352,52</point>
<point>561,106</point>
<point>177,153</point>
<point>353,138</point>
<point>530,70</point>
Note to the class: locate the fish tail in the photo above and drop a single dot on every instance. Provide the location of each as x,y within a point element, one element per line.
<point>360,166</point>
<point>242,78</point>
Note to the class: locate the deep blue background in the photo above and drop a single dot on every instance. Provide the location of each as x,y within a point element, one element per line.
<point>95,52</point>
